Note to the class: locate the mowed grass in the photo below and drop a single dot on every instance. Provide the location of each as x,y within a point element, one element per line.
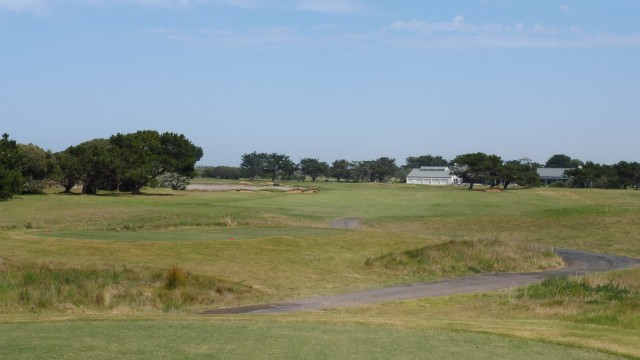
<point>261,339</point>
<point>280,246</point>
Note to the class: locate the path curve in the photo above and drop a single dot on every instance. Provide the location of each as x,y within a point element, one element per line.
<point>577,263</point>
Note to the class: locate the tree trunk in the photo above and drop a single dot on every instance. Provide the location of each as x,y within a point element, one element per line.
<point>89,189</point>
<point>136,189</point>
<point>471,185</point>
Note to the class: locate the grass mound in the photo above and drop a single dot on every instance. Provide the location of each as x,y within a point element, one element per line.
<point>587,299</point>
<point>455,258</point>
<point>43,288</point>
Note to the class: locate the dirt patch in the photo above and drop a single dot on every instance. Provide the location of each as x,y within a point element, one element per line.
<point>346,223</point>
<point>302,191</point>
<point>239,187</point>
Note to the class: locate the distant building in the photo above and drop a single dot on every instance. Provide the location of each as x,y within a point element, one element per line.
<point>432,175</point>
<point>552,175</point>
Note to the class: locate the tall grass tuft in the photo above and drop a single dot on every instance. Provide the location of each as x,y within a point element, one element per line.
<point>45,288</point>
<point>455,258</point>
<point>176,277</point>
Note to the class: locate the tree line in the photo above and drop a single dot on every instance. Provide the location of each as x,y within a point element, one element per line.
<point>124,162</point>
<point>128,162</point>
<point>472,168</point>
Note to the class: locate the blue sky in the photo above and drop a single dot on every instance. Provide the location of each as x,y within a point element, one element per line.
<point>330,79</point>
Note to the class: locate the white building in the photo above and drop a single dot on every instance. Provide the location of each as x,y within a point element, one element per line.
<point>432,175</point>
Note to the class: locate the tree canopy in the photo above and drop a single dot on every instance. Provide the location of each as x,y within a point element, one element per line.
<point>562,161</point>
<point>476,167</point>
<point>145,155</point>
<point>10,175</point>
<point>313,168</point>
<point>415,162</point>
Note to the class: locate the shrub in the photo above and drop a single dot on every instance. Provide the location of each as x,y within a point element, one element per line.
<point>176,277</point>
<point>172,181</point>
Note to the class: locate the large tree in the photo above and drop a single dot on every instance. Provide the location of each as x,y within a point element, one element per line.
<point>69,169</point>
<point>146,154</point>
<point>36,165</point>
<point>253,164</point>
<point>383,168</point>
<point>628,174</point>
<point>101,165</point>
<point>278,165</point>
<point>475,167</point>
<point>592,175</point>
<point>522,174</point>
<point>415,162</point>
<point>10,175</point>
<point>562,161</point>
<point>341,169</point>
<point>313,168</point>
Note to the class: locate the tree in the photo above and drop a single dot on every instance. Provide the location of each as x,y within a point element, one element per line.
<point>145,155</point>
<point>220,172</point>
<point>253,164</point>
<point>476,167</point>
<point>628,174</point>
<point>10,176</point>
<point>341,169</point>
<point>522,174</point>
<point>382,168</point>
<point>100,165</point>
<point>69,169</point>
<point>36,165</point>
<point>313,168</point>
<point>416,162</point>
<point>562,161</point>
<point>278,165</point>
<point>587,176</point>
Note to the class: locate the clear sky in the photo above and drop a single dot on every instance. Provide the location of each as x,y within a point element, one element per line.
<point>329,79</point>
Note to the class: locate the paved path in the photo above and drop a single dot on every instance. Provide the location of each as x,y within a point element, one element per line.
<point>577,263</point>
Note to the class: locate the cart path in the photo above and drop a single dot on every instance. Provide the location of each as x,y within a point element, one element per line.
<point>577,263</point>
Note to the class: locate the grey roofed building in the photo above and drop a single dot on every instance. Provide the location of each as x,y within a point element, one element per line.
<point>432,175</point>
<point>552,175</point>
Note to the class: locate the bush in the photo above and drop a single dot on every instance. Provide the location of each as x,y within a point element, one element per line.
<point>172,181</point>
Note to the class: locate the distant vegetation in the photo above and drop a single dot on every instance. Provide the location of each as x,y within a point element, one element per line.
<point>128,162</point>
<point>124,162</point>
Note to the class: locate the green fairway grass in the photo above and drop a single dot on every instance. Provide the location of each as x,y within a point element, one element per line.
<point>281,246</point>
<point>260,339</point>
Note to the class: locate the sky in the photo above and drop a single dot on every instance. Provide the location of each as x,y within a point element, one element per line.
<point>328,79</point>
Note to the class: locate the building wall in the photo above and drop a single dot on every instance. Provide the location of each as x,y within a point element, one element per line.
<point>430,181</point>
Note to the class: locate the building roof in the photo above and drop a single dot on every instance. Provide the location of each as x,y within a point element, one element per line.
<point>431,172</point>
<point>555,173</point>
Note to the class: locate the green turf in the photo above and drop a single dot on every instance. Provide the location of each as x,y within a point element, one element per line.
<point>259,339</point>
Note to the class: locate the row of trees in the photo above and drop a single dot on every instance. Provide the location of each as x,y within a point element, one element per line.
<point>472,167</point>
<point>124,162</point>
<point>590,175</point>
<point>279,166</point>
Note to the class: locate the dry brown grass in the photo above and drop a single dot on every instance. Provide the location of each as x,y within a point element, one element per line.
<point>455,258</point>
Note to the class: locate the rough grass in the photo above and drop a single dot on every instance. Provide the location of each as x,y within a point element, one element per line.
<point>456,258</point>
<point>585,300</point>
<point>45,288</point>
<point>280,247</point>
